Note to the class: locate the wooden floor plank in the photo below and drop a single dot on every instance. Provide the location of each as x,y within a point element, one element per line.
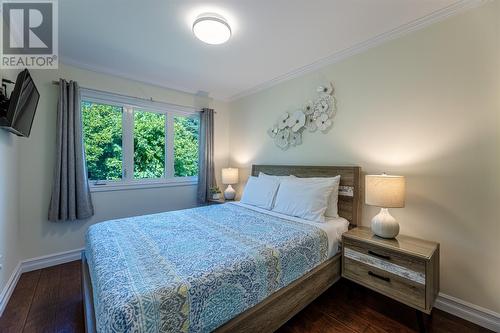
<point>42,314</point>
<point>346,314</point>
<point>50,300</point>
<point>314,322</point>
<point>386,310</point>
<point>347,299</point>
<point>442,322</point>
<point>69,315</point>
<point>16,312</point>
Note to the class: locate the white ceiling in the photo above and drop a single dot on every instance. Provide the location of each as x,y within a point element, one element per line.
<point>151,40</point>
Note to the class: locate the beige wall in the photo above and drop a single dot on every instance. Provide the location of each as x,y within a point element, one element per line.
<point>425,106</point>
<point>37,236</point>
<point>8,207</point>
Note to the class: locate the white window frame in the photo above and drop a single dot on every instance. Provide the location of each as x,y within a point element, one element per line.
<point>128,105</point>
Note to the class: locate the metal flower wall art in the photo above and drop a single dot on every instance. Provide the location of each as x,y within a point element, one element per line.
<point>313,116</point>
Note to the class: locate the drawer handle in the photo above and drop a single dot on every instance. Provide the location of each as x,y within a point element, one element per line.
<point>386,279</point>
<point>379,255</point>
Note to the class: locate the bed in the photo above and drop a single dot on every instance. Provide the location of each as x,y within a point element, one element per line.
<point>223,268</point>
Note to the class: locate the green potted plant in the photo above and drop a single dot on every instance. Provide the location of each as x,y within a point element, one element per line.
<point>215,192</point>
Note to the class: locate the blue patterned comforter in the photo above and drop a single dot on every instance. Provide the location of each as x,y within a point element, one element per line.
<point>193,270</point>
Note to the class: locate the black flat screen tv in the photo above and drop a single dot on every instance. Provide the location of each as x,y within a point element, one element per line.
<point>17,116</point>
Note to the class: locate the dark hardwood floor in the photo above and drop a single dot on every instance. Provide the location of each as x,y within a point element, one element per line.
<point>46,300</point>
<point>49,300</point>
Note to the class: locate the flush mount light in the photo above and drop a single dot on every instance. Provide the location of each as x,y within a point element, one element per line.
<point>211,29</point>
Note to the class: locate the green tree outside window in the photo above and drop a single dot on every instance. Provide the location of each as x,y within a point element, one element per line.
<point>186,134</point>
<point>149,145</point>
<point>102,128</point>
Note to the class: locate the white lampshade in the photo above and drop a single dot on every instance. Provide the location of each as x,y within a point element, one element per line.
<point>230,176</point>
<point>385,191</point>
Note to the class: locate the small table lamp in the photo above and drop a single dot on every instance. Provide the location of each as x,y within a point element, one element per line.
<point>385,191</point>
<point>230,177</point>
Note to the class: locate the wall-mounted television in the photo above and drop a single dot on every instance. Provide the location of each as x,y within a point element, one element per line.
<point>17,113</point>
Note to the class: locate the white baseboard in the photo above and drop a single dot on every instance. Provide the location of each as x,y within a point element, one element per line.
<point>9,288</point>
<point>473,313</point>
<point>468,311</point>
<point>32,264</point>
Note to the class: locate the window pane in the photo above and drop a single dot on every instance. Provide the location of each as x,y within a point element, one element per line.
<point>102,130</point>
<point>186,130</point>
<point>149,145</point>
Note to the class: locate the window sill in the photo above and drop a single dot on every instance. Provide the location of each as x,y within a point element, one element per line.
<point>135,185</point>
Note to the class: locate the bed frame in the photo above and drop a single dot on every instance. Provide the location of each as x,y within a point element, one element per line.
<point>278,308</point>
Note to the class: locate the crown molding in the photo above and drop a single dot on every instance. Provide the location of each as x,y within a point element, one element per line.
<point>434,17</point>
<point>139,79</point>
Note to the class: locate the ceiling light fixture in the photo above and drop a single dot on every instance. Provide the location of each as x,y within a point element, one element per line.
<point>211,29</point>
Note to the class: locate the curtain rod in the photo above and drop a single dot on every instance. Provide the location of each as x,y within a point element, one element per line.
<point>56,83</point>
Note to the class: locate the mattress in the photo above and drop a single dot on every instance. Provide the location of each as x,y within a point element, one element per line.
<point>193,270</point>
<point>334,227</point>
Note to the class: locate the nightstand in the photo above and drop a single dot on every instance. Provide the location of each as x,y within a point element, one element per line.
<point>215,202</point>
<point>405,268</point>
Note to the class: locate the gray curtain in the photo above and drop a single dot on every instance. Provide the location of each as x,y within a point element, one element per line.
<point>70,190</point>
<point>206,173</point>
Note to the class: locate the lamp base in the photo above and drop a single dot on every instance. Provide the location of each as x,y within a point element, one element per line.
<point>229,193</point>
<point>384,225</point>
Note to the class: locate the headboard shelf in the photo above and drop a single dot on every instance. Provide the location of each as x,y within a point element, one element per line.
<point>349,206</point>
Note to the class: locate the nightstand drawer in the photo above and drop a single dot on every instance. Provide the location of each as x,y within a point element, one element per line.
<point>411,267</point>
<point>391,285</point>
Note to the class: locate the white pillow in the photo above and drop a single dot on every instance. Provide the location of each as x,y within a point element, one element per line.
<point>260,191</point>
<point>333,201</point>
<point>261,174</point>
<point>307,200</point>
<point>279,178</point>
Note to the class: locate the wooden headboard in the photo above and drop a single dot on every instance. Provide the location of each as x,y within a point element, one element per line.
<point>350,188</point>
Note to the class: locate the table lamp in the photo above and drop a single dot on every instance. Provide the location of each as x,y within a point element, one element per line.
<point>230,177</point>
<point>385,191</point>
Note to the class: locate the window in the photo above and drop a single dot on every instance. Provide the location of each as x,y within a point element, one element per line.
<point>149,145</point>
<point>131,142</point>
<point>102,131</point>
<point>186,131</point>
